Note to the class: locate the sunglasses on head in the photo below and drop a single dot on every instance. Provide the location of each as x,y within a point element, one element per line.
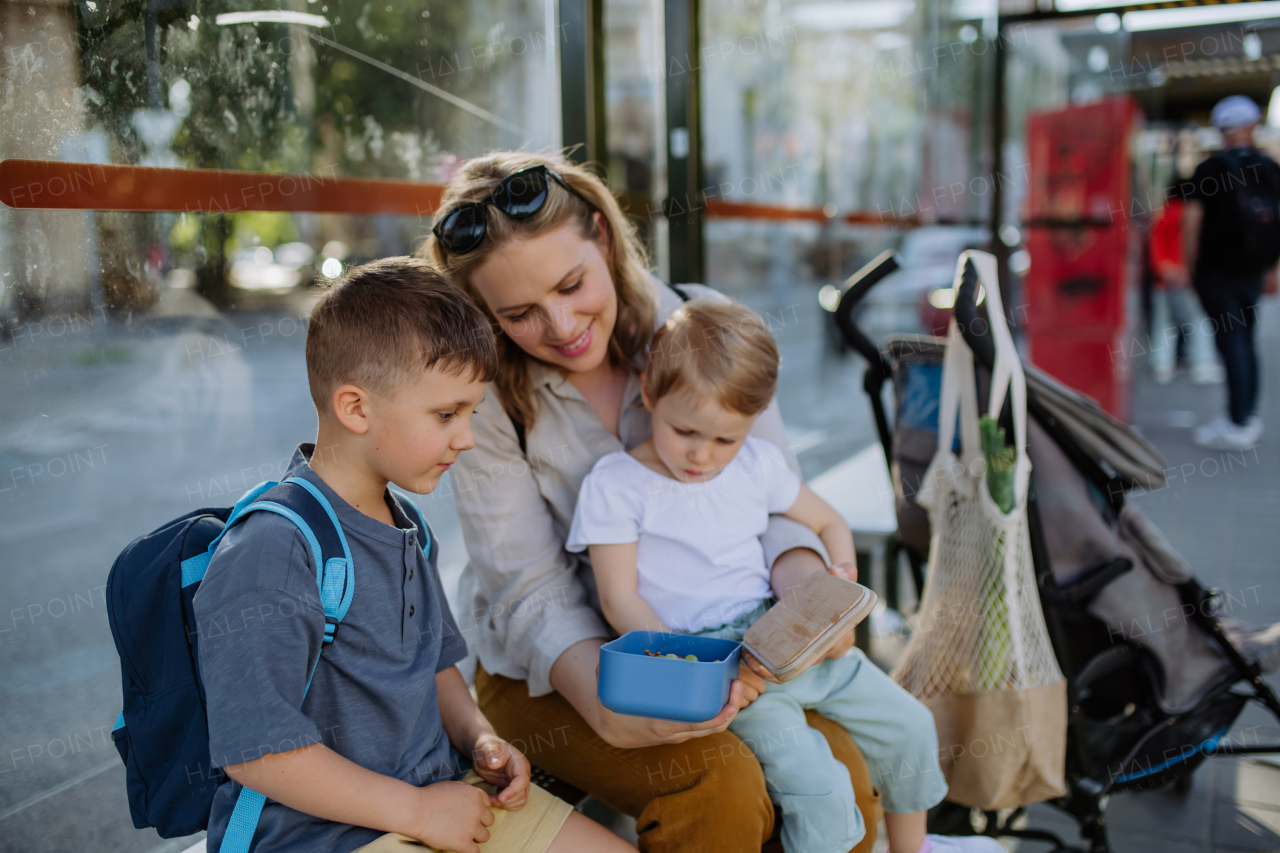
<point>519,196</point>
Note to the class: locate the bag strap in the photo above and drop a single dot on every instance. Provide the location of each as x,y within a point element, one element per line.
<point>1007,376</point>
<point>959,384</point>
<point>520,435</point>
<point>193,568</point>
<point>958,397</point>
<point>335,578</point>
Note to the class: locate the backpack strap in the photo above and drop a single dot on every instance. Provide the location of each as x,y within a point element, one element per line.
<point>520,435</point>
<point>335,577</point>
<point>193,568</point>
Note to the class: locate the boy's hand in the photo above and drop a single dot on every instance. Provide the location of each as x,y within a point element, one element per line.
<point>501,764</point>
<point>452,816</point>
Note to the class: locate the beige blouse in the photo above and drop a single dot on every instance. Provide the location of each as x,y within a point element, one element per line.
<point>524,598</point>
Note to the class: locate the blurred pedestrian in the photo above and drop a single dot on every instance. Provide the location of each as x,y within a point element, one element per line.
<point>1175,310</point>
<point>1231,239</point>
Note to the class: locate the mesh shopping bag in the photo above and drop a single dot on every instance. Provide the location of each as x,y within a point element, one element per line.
<point>980,657</point>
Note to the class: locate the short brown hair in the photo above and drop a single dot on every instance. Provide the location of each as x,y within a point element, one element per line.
<point>383,322</point>
<point>722,348</point>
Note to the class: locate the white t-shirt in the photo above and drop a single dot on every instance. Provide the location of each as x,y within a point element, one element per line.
<point>699,558</point>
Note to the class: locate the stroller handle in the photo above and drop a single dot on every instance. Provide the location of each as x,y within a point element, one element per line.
<point>975,329</point>
<point>855,288</point>
<point>854,291</point>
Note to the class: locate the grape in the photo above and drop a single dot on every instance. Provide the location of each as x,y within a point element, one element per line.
<point>690,657</point>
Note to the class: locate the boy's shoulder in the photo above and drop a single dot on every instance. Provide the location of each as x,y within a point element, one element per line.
<point>264,552</point>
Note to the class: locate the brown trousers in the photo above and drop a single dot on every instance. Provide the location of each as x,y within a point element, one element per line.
<point>706,795</point>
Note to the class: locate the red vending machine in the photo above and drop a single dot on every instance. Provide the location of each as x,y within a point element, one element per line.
<point>1081,289</point>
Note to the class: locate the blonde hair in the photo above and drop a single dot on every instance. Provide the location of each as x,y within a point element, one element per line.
<point>627,261</point>
<point>717,348</point>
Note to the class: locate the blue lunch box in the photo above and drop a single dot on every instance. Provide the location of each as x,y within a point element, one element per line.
<point>684,691</point>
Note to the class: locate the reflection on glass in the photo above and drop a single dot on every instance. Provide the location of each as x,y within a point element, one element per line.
<point>153,362</point>
<point>861,119</point>
<point>636,107</point>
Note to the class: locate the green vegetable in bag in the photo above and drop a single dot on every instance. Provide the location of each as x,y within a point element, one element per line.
<point>1001,460</point>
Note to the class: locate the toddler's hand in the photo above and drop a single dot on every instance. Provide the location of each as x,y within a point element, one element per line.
<point>501,764</point>
<point>848,571</point>
<point>756,668</point>
<point>452,816</point>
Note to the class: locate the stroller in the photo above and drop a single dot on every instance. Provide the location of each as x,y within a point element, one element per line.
<point>1155,677</point>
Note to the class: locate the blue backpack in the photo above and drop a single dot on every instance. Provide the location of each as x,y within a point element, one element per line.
<point>163,733</point>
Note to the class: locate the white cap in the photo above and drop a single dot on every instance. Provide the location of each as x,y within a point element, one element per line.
<point>1235,112</point>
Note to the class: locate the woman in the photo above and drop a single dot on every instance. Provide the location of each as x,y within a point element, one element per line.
<point>543,248</point>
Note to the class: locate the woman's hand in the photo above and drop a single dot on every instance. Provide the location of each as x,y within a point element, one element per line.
<point>752,675</point>
<point>502,765</point>
<point>626,732</point>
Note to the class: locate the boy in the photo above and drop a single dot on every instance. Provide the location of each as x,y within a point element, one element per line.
<point>672,527</point>
<point>373,757</point>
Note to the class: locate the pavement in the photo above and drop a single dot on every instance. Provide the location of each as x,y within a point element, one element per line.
<point>111,429</point>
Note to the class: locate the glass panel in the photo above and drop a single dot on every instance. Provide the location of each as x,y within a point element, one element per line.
<point>636,109</point>
<point>1110,115</point>
<point>862,120</point>
<point>153,362</point>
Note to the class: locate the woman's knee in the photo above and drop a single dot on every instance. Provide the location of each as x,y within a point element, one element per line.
<point>723,762</point>
<point>707,794</point>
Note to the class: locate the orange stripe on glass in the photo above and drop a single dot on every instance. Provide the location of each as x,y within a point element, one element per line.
<point>53,185</point>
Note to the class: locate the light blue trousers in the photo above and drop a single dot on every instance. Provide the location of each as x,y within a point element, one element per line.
<point>1182,304</point>
<point>895,732</point>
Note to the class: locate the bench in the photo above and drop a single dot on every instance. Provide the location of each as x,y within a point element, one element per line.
<point>861,491</point>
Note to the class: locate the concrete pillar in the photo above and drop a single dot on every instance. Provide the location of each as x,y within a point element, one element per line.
<point>43,253</point>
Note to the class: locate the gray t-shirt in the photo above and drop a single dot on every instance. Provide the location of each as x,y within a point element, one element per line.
<point>373,697</point>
